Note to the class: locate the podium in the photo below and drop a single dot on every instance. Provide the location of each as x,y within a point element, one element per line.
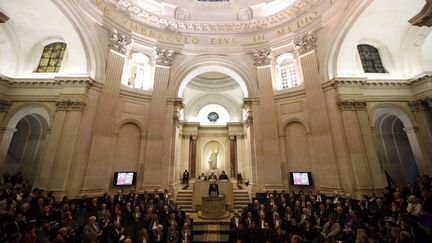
<point>213,207</point>
<point>200,190</point>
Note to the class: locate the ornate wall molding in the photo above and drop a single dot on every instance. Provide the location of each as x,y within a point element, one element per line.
<point>131,9</point>
<point>351,105</point>
<point>306,43</point>
<point>261,57</point>
<point>119,42</point>
<point>70,105</point>
<point>164,57</point>
<point>56,82</point>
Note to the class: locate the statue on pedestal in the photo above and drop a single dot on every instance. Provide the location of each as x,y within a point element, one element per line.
<point>213,159</point>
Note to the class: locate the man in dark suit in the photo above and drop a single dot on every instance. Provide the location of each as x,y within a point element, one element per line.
<point>212,176</point>
<point>186,177</point>
<point>213,189</point>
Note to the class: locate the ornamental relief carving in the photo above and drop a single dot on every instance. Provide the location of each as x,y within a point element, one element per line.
<point>351,105</point>
<point>70,105</point>
<point>164,57</point>
<point>305,43</point>
<point>119,42</point>
<point>133,10</point>
<point>261,57</point>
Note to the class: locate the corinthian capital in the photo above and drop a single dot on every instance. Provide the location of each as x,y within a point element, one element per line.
<point>119,42</point>
<point>261,57</point>
<point>305,43</point>
<point>164,57</point>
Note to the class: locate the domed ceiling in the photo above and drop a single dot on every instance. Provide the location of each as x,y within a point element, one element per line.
<point>214,10</point>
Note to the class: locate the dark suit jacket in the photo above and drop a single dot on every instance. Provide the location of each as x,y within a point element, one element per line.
<point>214,188</point>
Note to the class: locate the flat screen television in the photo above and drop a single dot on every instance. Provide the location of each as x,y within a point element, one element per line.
<point>124,178</point>
<point>301,178</point>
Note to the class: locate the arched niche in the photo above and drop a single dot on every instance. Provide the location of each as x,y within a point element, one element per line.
<point>398,145</point>
<point>206,149</point>
<point>26,144</point>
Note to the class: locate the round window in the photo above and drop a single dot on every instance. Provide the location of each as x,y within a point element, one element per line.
<point>213,116</point>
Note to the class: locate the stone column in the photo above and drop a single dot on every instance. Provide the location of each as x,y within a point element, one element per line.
<point>160,126</point>
<point>233,156</point>
<point>6,133</point>
<point>192,155</point>
<point>248,124</point>
<point>421,111</point>
<point>101,157</point>
<point>70,113</point>
<point>322,149</point>
<point>265,126</point>
<point>362,157</point>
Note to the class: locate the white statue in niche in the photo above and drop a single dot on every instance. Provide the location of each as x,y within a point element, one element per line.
<point>213,159</point>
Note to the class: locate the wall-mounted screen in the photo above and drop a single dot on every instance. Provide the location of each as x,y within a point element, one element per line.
<point>124,178</point>
<point>301,178</point>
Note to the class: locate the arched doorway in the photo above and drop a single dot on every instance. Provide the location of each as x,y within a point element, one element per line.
<point>395,147</point>
<point>24,151</point>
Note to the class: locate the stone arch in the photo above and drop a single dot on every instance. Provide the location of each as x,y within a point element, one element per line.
<point>288,121</point>
<point>181,76</point>
<point>397,140</point>
<point>17,113</point>
<point>134,121</point>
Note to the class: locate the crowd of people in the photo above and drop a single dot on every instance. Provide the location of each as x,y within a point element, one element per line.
<point>403,213</point>
<point>35,216</point>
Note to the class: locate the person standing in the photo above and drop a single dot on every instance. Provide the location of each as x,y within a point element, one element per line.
<point>186,177</point>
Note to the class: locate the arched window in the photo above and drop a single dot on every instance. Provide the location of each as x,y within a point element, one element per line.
<point>287,72</point>
<point>52,57</point>
<point>370,59</point>
<point>138,72</point>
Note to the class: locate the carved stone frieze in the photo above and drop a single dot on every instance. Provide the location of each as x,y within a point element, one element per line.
<point>164,57</point>
<point>135,11</point>
<point>119,42</point>
<point>305,43</point>
<point>4,105</point>
<point>351,105</point>
<point>70,105</point>
<point>261,57</point>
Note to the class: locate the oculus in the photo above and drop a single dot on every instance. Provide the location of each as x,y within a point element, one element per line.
<point>213,116</point>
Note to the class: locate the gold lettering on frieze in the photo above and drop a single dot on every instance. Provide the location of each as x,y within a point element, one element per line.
<point>296,23</point>
<point>223,41</point>
<point>259,38</point>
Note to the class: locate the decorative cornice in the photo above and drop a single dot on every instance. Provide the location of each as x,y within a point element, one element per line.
<point>134,11</point>
<point>119,42</point>
<point>261,57</point>
<point>56,82</point>
<point>70,105</point>
<point>364,82</point>
<point>305,43</point>
<point>351,105</point>
<point>164,57</point>
<point>4,105</point>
